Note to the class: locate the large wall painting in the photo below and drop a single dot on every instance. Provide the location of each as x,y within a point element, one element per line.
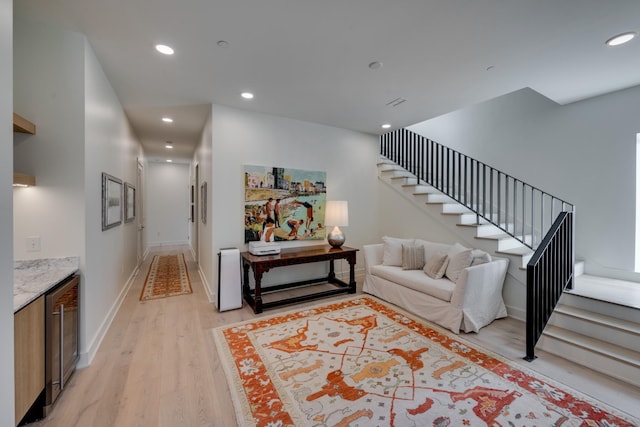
<point>283,204</point>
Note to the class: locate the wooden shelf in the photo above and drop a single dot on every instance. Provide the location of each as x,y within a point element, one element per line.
<point>23,180</point>
<point>22,125</point>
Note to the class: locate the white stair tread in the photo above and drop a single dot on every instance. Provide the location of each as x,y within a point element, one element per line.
<point>612,290</point>
<point>610,350</point>
<point>524,250</point>
<point>496,236</point>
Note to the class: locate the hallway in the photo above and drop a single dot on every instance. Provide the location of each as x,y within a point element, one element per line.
<point>158,366</point>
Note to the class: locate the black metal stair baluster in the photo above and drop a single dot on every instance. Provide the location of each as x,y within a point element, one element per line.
<point>551,268</point>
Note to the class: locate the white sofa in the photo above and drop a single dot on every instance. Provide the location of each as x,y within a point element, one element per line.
<point>470,302</point>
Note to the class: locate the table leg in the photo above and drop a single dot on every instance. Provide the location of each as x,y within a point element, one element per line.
<point>332,271</point>
<point>352,275</point>
<point>246,290</point>
<point>257,276</point>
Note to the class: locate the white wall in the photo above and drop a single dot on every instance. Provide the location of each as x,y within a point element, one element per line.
<point>583,153</point>
<point>111,255</point>
<point>167,203</point>
<point>204,238</point>
<point>7,407</point>
<point>240,138</point>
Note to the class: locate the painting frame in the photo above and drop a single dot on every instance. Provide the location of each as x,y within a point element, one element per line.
<point>284,204</point>
<point>111,201</point>
<point>129,202</point>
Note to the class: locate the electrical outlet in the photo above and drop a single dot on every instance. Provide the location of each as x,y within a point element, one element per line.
<point>33,244</point>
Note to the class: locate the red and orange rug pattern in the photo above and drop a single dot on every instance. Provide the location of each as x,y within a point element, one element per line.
<point>168,276</point>
<point>360,362</point>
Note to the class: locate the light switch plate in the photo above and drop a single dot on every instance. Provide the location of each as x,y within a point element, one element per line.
<point>33,244</point>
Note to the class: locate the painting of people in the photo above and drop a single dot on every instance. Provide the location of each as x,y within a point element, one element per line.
<point>283,204</point>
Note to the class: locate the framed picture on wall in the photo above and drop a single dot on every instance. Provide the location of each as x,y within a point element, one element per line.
<point>129,202</point>
<point>111,201</point>
<point>292,201</point>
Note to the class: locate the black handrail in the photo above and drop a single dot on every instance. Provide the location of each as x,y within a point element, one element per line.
<point>520,210</point>
<point>549,272</point>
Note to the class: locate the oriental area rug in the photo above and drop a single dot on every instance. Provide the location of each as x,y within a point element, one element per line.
<point>167,277</point>
<point>360,362</point>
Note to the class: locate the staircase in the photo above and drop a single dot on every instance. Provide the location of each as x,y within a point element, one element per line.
<point>592,333</point>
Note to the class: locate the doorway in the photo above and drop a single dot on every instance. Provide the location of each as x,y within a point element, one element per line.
<point>140,212</point>
<point>196,221</point>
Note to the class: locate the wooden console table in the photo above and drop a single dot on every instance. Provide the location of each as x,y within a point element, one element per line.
<point>293,256</point>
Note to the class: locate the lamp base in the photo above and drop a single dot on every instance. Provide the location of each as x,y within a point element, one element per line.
<point>336,237</point>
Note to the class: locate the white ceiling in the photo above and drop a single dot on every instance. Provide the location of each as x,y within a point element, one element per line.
<point>308,59</point>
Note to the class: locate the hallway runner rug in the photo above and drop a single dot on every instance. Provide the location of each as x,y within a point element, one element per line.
<point>167,277</point>
<point>360,362</point>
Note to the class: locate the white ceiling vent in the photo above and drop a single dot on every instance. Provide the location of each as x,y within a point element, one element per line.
<point>395,102</point>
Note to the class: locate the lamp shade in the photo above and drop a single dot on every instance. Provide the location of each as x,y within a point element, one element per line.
<point>337,213</point>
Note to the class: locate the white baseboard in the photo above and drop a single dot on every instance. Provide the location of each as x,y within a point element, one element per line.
<point>87,356</point>
<point>168,243</point>
<point>517,313</point>
<point>205,284</point>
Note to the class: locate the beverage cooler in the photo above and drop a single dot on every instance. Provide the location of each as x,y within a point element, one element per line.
<point>62,312</point>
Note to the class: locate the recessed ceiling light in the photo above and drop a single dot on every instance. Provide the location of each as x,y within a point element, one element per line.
<point>621,39</point>
<point>164,49</point>
<point>247,95</point>
<point>169,146</point>
<point>375,65</point>
<point>223,43</point>
<point>386,126</point>
<point>167,119</point>
<point>169,160</point>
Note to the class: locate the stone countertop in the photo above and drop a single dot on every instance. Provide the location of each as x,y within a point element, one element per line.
<point>32,278</point>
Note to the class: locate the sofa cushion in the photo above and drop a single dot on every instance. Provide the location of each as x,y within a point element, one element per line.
<point>392,254</point>
<point>433,247</point>
<point>412,257</point>
<point>417,280</point>
<point>436,265</point>
<point>459,259</point>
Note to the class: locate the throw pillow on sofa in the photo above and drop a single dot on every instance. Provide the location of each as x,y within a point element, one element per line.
<point>392,254</point>
<point>436,265</point>
<point>412,257</point>
<point>459,259</point>
<point>480,257</point>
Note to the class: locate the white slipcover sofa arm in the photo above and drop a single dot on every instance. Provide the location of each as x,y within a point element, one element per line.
<point>479,293</point>
<point>372,255</point>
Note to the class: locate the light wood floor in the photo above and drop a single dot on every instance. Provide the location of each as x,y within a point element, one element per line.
<point>158,365</point>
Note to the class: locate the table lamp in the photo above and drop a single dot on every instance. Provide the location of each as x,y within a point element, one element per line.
<point>336,214</point>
